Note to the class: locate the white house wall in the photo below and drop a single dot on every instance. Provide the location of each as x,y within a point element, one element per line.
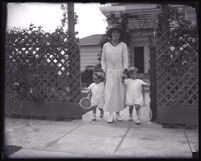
<point>88,55</point>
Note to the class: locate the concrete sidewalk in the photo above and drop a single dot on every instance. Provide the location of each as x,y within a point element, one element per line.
<point>98,139</point>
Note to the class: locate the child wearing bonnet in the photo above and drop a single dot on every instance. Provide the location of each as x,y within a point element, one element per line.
<point>134,95</point>
<point>96,92</point>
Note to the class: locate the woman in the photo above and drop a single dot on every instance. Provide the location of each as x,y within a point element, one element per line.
<point>114,61</point>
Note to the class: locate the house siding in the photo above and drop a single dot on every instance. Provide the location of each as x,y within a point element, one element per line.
<point>89,55</point>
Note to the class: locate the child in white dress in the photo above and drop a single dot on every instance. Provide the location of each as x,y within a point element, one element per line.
<point>96,91</point>
<point>134,92</point>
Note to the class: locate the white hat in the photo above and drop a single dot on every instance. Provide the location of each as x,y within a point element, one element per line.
<point>133,69</point>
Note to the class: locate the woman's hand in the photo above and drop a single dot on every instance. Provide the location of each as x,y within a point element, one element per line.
<point>103,75</point>
<point>126,73</point>
<point>123,77</point>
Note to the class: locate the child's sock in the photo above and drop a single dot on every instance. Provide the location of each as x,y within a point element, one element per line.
<point>94,117</point>
<point>130,117</point>
<point>101,113</point>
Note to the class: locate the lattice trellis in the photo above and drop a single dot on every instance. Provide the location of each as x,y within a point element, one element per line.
<point>46,65</point>
<point>174,90</point>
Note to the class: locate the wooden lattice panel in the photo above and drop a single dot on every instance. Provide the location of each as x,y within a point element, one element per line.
<point>46,65</point>
<point>174,90</point>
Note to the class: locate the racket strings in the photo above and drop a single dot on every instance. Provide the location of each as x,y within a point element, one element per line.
<point>85,103</point>
<point>145,113</point>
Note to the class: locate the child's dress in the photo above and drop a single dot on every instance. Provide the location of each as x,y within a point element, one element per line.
<point>97,98</point>
<point>134,91</point>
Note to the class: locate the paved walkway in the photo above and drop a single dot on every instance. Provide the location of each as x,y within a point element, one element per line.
<point>88,139</point>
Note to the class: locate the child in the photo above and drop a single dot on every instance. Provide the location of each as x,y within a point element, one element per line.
<point>134,95</point>
<point>96,91</point>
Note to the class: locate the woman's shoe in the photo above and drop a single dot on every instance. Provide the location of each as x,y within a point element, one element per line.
<point>118,118</point>
<point>110,119</point>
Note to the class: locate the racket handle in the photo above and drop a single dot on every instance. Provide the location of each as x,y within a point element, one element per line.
<point>88,96</point>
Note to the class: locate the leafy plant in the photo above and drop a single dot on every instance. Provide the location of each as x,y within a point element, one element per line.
<point>182,44</point>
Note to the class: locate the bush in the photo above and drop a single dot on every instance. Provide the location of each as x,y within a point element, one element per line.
<point>87,76</point>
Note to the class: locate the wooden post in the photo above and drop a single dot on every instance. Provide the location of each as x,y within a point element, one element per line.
<point>164,24</point>
<point>152,47</point>
<point>74,58</point>
<point>71,29</point>
<point>153,96</point>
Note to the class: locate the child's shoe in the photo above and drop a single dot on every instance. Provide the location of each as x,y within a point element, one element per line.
<point>94,118</point>
<point>137,121</point>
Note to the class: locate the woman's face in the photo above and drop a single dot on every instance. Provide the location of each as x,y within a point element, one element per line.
<point>115,34</point>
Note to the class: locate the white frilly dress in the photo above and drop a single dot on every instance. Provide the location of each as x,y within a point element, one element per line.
<point>97,98</point>
<point>114,60</point>
<point>134,93</point>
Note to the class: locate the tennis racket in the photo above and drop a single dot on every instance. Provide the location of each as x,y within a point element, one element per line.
<point>145,113</point>
<point>85,103</point>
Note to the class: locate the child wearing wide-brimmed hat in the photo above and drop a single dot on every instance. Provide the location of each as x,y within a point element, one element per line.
<point>134,95</point>
<point>96,92</point>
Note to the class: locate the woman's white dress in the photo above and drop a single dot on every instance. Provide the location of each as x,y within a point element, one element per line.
<point>114,60</point>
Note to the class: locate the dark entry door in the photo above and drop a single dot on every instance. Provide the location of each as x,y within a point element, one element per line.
<point>139,58</point>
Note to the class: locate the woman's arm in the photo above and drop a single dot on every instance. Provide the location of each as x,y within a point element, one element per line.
<point>124,76</point>
<point>126,73</point>
<point>103,59</point>
<point>125,56</point>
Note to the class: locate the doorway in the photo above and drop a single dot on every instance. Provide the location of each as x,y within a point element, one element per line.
<point>139,58</point>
